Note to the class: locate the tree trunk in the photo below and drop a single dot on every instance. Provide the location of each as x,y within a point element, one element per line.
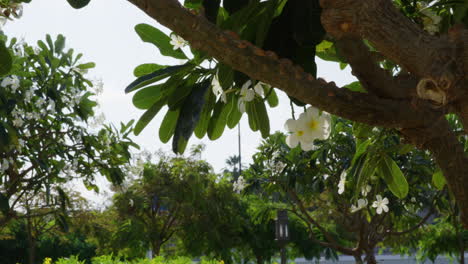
<point>156,247</point>
<point>31,242</point>
<point>260,260</point>
<point>358,259</point>
<point>370,257</point>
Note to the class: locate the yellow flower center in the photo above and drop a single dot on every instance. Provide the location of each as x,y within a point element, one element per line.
<point>313,124</point>
<point>300,133</point>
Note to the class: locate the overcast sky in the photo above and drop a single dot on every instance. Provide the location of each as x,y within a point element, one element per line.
<point>104,32</point>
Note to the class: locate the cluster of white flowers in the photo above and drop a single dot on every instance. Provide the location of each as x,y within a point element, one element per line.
<point>177,42</point>
<point>247,94</point>
<point>311,125</point>
<point>430,19</point>
<point>239,185</point>
<point>11,82</point>
<point>73,98</point>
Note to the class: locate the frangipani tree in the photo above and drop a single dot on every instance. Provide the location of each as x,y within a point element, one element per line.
<point>387,43</point>
<point>409,57</point>
<point>349,203</point>
<point>46,107</point>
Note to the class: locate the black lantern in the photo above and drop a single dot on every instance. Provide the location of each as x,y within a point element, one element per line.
<point>282,231</point>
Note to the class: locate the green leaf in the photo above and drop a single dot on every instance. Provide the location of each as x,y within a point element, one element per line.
<point>147,68</point>
<point>189,116</point>
<point>156,76</point>
<point>77,4</point>
<point>323,46</point>
<point>155,36</point>
<point>50,42</point>
<point>148,116</point>
<point>4,204</point>
<point>182,91</point>
<point>225,76</point>
<point>202,126</point>
<point>6,61</point>
<point>365,171</point>
<point>362,131</point>
<point>355,87</point>
<point>234,115</point>
<point>393,176</point>
<point>219,119</point>
<point>272,97</point>
<point>438,180</point>
<point>86,66</point>
<point>258,117</point>
<point>361,148</point>
<point>168,125</point>
<point>59,43</point>
<point>146,97</point>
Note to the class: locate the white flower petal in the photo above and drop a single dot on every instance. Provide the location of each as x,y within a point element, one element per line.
<point>292,140</point>
<point>241,106</point>
<point>290,125</point>
<point>246,85</point>
<point>259,89</point>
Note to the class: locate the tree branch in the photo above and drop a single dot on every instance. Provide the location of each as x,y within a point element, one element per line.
<point>265,66</point>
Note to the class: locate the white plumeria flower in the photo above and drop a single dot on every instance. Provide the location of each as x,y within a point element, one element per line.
<point>361,203</point>
<point>380,204</point>
<point>16,112</point>
<point>246,95</point>
<point>18,122</point>
<point>21,142</point>
<point>239,185</point>
<point>258,88</point>
<point>177,41</point>
<point>307,128</point>
<point>28,95</point>
<point>365,190</point>
<point>39,102</point>
<point>11,81</point>
<point>51,105</point>
<point>4,166</point>
<point>342,182</point>
<point>27,133</point>
<point>218,90</point>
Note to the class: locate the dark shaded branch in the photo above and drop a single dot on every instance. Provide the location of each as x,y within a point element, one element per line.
<point>372,77</point>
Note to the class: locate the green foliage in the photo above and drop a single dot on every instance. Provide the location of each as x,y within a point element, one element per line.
<point>5,59</point>
<point>45,105</point>
<point>78,3</point>
<point>154,36</point>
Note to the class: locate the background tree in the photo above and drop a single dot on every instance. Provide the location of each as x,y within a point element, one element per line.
<point>46,106</point>
<point>350,221</point>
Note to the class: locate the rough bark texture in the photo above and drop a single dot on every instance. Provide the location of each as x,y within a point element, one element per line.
<point>437,61</point>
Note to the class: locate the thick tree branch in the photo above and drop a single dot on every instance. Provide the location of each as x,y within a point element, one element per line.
<point>393,34</point>
<point>450,157</point>
<point>372,77</point>
<point>264,66</point>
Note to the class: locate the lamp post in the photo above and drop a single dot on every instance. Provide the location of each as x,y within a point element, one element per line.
<point>282,232</point>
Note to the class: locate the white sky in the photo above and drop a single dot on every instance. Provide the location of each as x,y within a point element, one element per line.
<point>103,32</point>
